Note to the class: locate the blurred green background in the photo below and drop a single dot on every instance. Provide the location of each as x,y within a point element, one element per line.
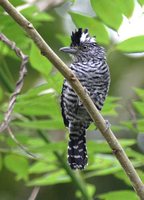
<point>40,166</point>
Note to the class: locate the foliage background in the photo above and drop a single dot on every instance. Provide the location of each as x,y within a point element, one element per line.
<point>36,120</point>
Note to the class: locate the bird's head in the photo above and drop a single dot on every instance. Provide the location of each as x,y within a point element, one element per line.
<point>83,45</point>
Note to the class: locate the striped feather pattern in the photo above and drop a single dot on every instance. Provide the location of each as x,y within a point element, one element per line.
<point>91,69</point>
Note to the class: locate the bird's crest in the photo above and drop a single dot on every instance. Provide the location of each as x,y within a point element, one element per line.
<point>80,36</point>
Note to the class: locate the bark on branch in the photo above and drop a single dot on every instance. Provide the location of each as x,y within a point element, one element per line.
<point>94,113</point>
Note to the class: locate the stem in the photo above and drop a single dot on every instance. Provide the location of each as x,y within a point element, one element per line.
<point>76,180</point>
<point>92,110</point>
<point>34,193</point>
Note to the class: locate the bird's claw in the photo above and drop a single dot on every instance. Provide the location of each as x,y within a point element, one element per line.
<point>108,125</point>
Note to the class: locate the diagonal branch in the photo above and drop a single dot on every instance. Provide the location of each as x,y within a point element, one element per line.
<point>19,83</point>
<point>92,110</point>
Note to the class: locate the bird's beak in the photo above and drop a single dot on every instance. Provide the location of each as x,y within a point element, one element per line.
<point>71,50</point>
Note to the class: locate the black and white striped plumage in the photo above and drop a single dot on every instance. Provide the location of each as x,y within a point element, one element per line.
<point>90,67</point>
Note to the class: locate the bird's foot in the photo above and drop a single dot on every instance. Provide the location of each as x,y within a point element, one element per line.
<point>108,125</point>
<point>79,101</point>
<point>86,91</point>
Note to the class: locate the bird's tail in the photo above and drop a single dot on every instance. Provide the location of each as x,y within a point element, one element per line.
<point>77,152</point>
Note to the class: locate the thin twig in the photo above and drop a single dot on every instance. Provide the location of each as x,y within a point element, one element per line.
<point>31,155</point>
<point>34,193</point>
<point>86,100</point>
<point>19,83</point>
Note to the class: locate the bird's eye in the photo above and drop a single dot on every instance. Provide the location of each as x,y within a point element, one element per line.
<point>84,48</point>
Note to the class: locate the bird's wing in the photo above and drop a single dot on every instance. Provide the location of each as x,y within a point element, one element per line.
<point>66,122</point>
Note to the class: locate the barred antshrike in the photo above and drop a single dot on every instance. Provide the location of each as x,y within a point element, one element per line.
<point>90,67</point>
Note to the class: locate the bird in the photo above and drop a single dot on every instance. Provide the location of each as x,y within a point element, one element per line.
<point>90,67</point>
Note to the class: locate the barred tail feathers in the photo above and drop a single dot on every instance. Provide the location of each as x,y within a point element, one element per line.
<point>77,152</point>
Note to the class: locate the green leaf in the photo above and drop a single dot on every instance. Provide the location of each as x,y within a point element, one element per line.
<point>22,137</point>
<point>90,189</point>
<point>110,106</point>
<point>17,35</point>
<point>103,147</point>
<point>33,13</point>
<point>141,174</point>
<point>41,167</point>
<point>36,143</point>
<point>49,148</point>
<point>33,92</point>
<point>117,128</point>
<point>42,105</point>
<point>132,45</point>
<point>139,106</point>
<point>122,176</point>
<point>138,157</point>
<point>140,125</point>
<point>141,2</point>
<point>46,154</point>
<point>98,147</point>
<point>42,124</point>
<point>51,179</point>
<point>119,195</point>
<point>102,164</point>
<point>96,171</point>
<point>18,165</point>
<point>128,125</point>
<point>108,12</point>
<point>55,81</point>
<point>29,11</point>
<point>64,39</point>
<point>126,7</point>
<point>42,17</point>
<point>4,49</point>
<point>95,27</point>
<point>17,2</point>
<point>39,62</point>
<point>35,16</point>
<point>139,92</point>
<point>127,142</point>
